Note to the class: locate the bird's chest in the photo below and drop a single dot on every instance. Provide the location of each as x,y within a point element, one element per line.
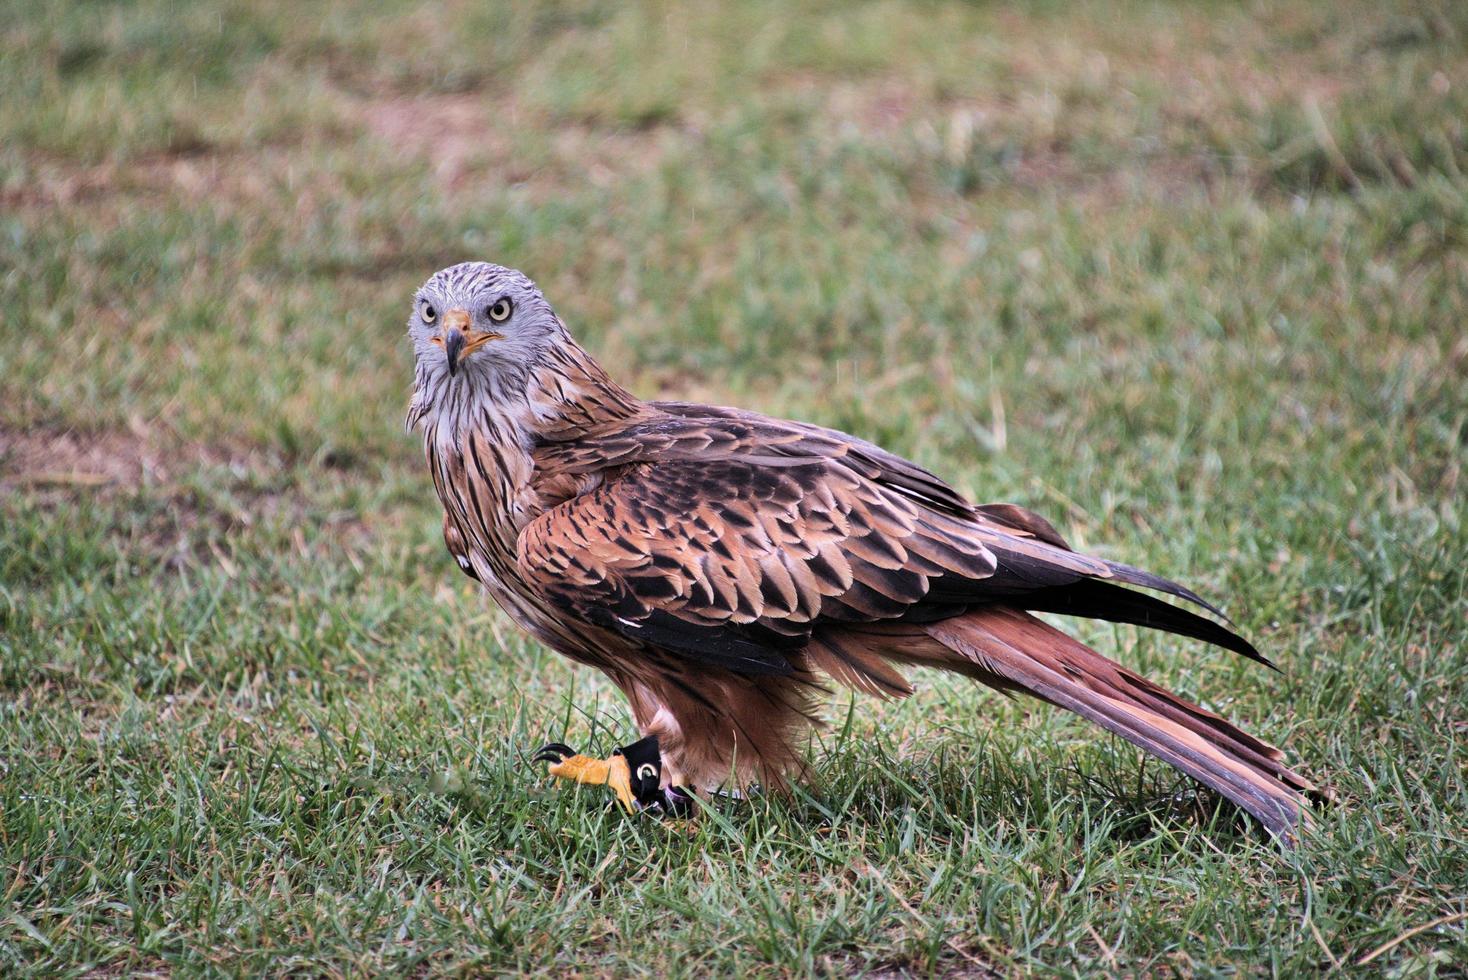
<point>490,492</point>
<point>483,517</point>
<point>486,492</point>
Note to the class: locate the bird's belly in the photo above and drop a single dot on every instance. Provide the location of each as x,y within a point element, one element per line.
<point>539,622</point>
<point>517,606</point>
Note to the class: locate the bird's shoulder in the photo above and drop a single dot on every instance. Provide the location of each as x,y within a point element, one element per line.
<point>684,432</point>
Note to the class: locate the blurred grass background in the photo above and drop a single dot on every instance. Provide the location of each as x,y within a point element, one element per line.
<point>1188,278</point>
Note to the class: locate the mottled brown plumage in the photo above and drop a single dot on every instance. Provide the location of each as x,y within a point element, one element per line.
<point>719,566</point>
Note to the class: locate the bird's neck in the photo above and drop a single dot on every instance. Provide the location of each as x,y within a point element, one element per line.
<point>565,396</point>
<point>570,396</point>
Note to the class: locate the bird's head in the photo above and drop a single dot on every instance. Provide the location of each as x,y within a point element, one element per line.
<point>480,325</point>
<point>486,340</point>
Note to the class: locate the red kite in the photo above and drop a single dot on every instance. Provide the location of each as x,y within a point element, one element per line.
<point>719,566</point>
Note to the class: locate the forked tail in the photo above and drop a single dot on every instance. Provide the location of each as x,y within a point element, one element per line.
<point>1010,649</point>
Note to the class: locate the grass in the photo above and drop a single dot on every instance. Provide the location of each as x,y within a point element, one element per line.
<point>1189,279</point>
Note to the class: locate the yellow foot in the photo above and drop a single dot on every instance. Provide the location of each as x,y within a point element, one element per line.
<point>613,772</point>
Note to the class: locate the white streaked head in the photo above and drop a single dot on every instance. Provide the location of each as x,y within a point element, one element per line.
<point>478,330</point>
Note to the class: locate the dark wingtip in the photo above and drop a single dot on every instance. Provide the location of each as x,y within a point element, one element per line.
<point>1137,576</point>
<point>1099,599</point>
<point>1252,652</point>
<point>1219,635</point>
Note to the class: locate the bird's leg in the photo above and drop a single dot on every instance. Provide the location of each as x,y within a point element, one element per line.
<point>565,763</point>
<point>634,772</point>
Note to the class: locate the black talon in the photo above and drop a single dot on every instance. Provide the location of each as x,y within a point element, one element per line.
<point>553,753</point>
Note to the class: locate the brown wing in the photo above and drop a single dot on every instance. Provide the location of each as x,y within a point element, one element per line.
<point>734,563</point>
<point>730,538</point>
<point>700,433</point>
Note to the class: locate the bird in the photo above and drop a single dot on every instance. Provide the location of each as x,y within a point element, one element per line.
<point>724,569</point>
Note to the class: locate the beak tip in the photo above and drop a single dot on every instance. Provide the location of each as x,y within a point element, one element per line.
<point>453,348</point>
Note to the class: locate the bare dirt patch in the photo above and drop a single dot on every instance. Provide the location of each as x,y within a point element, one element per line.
<point>880,106</point>
<point>114,461</point>
<point>218,176</point>
<point>467,138</point>
<point>455,133</point>
<point>178,501</point>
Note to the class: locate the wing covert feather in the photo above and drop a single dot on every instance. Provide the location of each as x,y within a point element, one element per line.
<point>731,539</point>
<point>734,552</point>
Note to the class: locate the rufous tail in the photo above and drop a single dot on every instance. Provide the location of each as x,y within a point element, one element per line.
<point>1012,650</point>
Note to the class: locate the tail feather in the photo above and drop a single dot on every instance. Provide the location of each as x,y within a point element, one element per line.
<point>1011,649</point>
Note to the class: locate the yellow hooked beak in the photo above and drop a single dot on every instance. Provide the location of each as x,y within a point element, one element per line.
<point>459,340</point>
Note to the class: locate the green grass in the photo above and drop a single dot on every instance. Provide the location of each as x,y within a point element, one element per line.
<point>1189,279</point>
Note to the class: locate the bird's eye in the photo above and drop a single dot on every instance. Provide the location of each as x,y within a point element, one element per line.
<point>499,311</point>
<point>428,313</point>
